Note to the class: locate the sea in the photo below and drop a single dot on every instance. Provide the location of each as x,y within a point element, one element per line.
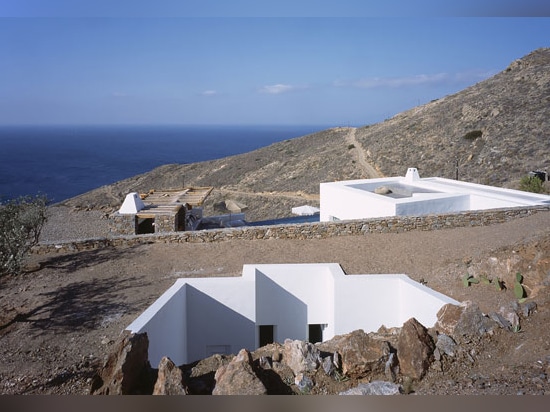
<point>64,161</point>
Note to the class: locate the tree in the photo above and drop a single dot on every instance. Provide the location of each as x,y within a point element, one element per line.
<point>531,184</point>
<point>21,222</point>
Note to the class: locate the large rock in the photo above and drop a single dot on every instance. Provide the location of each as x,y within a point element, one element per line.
<point>127,370</point>
<point>169,379</point>
<point>238,377</point>
<point>300,356</point>
<point>414,349</point>
<point>360,353</point>
<point>464,322</point>
<point>374,388</point>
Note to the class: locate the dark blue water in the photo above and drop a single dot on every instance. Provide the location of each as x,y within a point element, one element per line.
<point>64,161</point>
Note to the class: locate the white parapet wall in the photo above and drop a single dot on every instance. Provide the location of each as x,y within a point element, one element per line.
<point>414,196</point>
<point>198,317</point>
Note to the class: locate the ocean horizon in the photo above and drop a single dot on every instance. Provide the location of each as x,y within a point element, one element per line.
<point>63,161</point>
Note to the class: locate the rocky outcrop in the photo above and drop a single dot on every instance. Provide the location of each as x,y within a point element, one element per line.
<point>464,322</point>
<point>127,370</point>
<point>169,379</point>
<point>385,362</point>
<point>374,388</point>
<point>238,377</point>
<point>300,356</point>
<point>415,349</point>
<point>359,352</point>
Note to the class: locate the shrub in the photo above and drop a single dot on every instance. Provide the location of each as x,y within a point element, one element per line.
<point>351,146</point>
<point>474,134</point>
<point>21,221</point>
<point>531,184</point>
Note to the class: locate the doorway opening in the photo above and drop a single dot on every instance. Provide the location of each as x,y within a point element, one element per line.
<point>266,334</point>
<point>145,225</point>
<point>315,333</point>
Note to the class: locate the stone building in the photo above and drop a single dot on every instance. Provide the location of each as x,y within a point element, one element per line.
<point>160,211</point>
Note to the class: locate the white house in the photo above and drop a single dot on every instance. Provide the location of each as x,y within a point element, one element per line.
<point>198,317</point>
<point>412,195</point>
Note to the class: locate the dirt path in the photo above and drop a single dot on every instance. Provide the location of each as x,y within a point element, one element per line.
<point>361,155</point>
<point>291,195</point>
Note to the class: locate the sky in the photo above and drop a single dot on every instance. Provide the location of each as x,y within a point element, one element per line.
<point>345,65</point>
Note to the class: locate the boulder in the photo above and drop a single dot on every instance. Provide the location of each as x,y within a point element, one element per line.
<point>238,377</point>
<point>446,345</point>
<point>464,322</point>
<point>360,353</point>
<point>300,356</point>
<point>169,379</point>
<point>374,388</point>
<point>127,370</point>
<point>303,382</point>
<point>415,349</point>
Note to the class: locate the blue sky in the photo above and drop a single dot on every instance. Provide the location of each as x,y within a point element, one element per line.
<point>74,65</point>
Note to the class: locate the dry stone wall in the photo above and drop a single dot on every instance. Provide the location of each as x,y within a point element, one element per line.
<point>318,230</point>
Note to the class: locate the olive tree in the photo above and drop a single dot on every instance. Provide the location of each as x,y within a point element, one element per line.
<point>21,221</point>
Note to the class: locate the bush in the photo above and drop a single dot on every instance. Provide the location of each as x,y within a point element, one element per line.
<point>531,184</point>
<point>21,221</point>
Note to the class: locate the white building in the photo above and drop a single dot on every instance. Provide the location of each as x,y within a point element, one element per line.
<point>198,317</point>
<point>412,195</point>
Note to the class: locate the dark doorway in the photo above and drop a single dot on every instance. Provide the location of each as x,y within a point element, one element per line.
<point>145,225</point>
<point>315,333</point>
<point>266,335</point>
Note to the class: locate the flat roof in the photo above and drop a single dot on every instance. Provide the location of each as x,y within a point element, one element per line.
<point>170,201</point>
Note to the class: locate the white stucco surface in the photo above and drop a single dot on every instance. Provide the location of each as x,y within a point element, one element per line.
<point>412,196</point>
<point>197,317</point>
<point>132,204</point>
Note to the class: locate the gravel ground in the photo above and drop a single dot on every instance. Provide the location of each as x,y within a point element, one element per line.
<point>59,322</point>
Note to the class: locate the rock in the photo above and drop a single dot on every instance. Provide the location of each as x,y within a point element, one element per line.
<point>500,320</point>
<point>303,382</point>
<point>463,322</point>
<point>300,356</point>
<point>445,344</point>
<point>328,365</point>
<point>414,349</point>
<point>510,313</point>
<point>391,368</point>
<point>527,308</point>
<point>265,362</point>
<point>276,357</point>
<point>359,352</point>
<point>383,190</point>
<point>374,388</point>
<point>169,379</point>
<point>127,369</point>
<point>238,377</point>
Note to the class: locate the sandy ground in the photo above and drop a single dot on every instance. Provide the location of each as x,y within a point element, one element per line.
<point>58,322</point>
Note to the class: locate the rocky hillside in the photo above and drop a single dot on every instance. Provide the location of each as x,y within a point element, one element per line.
<point>496,131</point>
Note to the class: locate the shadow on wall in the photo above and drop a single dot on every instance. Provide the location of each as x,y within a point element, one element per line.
<point>213,327</point>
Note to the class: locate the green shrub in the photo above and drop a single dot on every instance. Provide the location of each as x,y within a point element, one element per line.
<point>21,221</point>
<point>351,146</point>
<point>531,184</point>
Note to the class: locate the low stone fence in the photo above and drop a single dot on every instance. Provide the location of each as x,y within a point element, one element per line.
<point>316,230</point>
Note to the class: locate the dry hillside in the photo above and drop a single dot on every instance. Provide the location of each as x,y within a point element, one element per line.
<point>497,130</point>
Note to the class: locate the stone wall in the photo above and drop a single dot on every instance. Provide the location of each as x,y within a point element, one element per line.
<point>316,230</point>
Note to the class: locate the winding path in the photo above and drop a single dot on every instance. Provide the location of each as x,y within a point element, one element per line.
<point>361,155</point>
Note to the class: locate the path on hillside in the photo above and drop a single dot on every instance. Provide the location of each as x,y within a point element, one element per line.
<point>361,155</point>
<point>292,195</point>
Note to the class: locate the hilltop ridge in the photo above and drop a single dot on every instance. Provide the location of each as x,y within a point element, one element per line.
<point>496,131</point>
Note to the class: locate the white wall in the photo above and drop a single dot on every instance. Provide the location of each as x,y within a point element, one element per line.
<point>354,199</point>
<point>198,314</point>
<point>419,301</point>
<point>165,324</point>
<point>347,203</point>
<point>428,203</point>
